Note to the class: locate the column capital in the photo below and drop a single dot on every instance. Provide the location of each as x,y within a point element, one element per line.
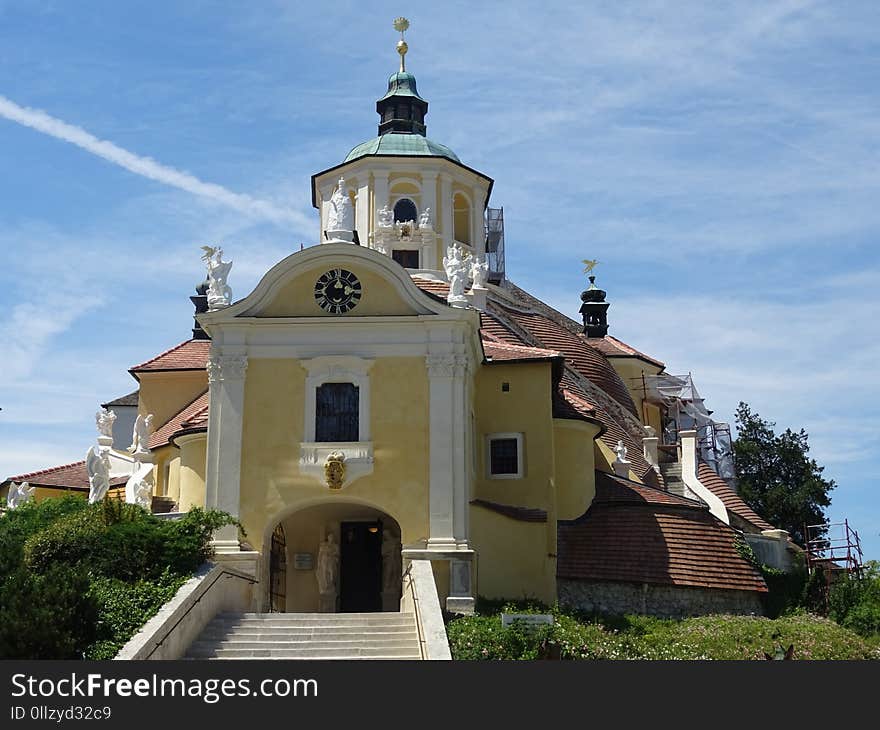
<point>446,365</point>
<point>226,367</point>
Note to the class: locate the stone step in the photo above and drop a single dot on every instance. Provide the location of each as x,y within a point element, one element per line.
<point>363,643</point>
<point>217,633</point>
<point>311,623</point>
<point>406,652</point>
<point>413,658</point>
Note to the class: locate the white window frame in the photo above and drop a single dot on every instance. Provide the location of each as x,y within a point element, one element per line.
<point>520,454</point>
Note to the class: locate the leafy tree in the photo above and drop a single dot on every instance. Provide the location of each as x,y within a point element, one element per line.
<point>776,477</point>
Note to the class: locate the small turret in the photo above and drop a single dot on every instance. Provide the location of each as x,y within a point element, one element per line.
<point>594,310</point>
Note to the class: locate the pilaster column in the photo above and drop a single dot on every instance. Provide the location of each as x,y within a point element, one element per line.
<point>448,475</point>
<point>445,216</point>
<point>429,200</point>
<point>226,378</point>
<point>478,234</point>
<point>363,215</point>
<point>380,188</point>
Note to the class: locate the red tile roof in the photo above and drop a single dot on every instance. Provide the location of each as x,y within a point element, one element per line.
<point>635,534</point>
<point>439,289</point>
<point>732,501</point>
<point>192,416</point>
<point>523,514</point>
<point>73,476</point>
<point>501,351</point>
<point>189,355</point>
<point>612,347</point>
<point>590,363</point>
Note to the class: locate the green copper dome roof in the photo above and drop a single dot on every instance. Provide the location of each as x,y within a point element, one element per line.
<point>414,145</point>
<point>402,84</point>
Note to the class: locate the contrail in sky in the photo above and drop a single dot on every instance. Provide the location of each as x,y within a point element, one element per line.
<point>145,166</point>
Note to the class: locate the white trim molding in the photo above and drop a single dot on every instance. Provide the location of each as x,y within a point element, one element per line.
<point>358,454</point>
<point>520,455</point>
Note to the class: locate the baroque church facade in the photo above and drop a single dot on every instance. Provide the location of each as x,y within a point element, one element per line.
<point>388,394</point>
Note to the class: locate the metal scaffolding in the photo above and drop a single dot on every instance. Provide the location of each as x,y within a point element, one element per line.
<point>835,547</point>
<point>495,244</point>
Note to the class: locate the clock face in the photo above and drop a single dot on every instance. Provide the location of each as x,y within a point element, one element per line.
<point>338,291</point>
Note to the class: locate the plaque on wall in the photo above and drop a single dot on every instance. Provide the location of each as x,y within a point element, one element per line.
<point>303,561</point>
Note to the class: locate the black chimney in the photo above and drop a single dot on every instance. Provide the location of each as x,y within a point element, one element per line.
<point>201,303</point>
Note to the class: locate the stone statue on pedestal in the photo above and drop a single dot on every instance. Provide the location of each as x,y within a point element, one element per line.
<point>140,437</point>
<point>139,487</point>
<point>327,574</point>
<point>98,466</point>
<point>479,271</point>
<point>340,217</point>
<point>457,272</point>
<point>219,292</point>
<point>104,420</point>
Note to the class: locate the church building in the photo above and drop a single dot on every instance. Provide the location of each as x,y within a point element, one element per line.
<point>388,394</point>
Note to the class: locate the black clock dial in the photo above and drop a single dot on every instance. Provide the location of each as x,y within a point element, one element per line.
<point>338,291</point>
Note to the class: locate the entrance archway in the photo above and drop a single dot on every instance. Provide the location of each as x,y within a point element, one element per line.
<point>337,557</point>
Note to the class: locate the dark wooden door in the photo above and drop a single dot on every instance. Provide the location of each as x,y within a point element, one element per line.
<point>278,572</point>
<point>361,567</point>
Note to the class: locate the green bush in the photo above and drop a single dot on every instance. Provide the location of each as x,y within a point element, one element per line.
<point>46,616</point>
<point>78,580</point>
<point>124,607</point>
<point>645,637</point>
<point>855,602</point>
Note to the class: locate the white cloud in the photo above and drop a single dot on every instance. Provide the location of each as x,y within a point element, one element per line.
<point>145,166</point>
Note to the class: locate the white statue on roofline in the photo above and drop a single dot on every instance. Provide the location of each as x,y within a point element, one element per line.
<point>340,217</point>
<point>385,217</point>
<point>219,292</point>
<point>140,437</point>
<point>457,270</point>
<point>139,487</point>
<point>98,467</point>
<point>479,272</point>
<point>104,420</point>
<point>425,219</point>
<point>19,494</point>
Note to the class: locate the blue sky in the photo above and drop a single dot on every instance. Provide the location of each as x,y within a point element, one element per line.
<point>721,160</point>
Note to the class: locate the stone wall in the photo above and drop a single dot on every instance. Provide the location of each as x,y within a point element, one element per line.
<point>654,600</point>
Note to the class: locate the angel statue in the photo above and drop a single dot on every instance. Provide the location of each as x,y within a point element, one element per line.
<point>104,420</point>
<point>219,292</point>
<point>98,466</point>
<point>139,487</point>
<point>457,271</point>
<point>19,494</point>
<point>140,436</point>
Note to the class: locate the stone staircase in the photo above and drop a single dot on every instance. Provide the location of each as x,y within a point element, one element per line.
<point>308,636</point>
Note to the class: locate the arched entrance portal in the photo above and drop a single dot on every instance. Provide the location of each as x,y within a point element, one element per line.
<point>335,557</point>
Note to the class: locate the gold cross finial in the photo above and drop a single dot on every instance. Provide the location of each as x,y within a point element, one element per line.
<point>400,25</point>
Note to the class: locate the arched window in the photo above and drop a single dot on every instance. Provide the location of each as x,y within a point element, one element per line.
<point>461,219</point>
<point>405,210</point>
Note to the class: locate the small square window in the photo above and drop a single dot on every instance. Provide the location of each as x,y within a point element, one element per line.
<point>505,456</point>
<point>407,259</point>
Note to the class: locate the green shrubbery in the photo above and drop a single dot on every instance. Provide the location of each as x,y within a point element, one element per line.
<point>644,637</point>
<point>78,580</point>
<point>855,602</point>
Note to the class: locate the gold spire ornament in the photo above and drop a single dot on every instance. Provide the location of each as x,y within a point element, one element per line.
<point>589,265</point>
<point>400,25</point>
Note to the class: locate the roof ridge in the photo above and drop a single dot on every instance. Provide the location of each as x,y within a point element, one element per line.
<point>47,470</point>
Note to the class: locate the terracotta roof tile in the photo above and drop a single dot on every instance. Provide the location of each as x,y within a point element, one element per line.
<point>438,289</point>
<point>501,351</point>
<point>523,514</point>
<point>612,347</point>
<point>189,355</point>
<point>74,476</point>
<point>732,501</point>
<point>590,363</point>
<point>193,415</point>
<point>632,533</point>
